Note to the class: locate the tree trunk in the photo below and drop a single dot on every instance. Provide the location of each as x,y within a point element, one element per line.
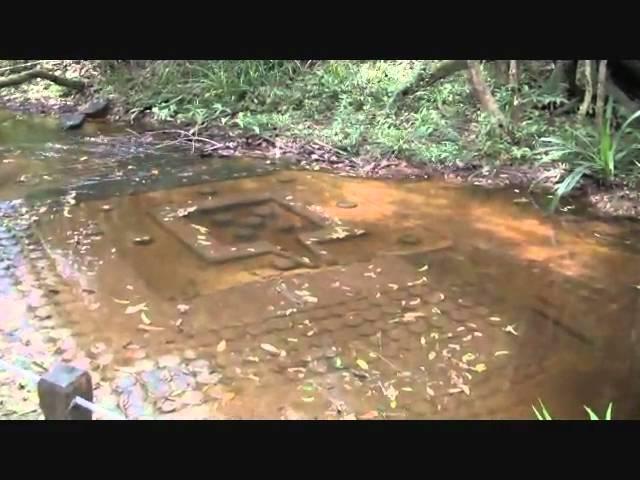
<point>588,90</point>
<point>20,78</point>
<point>563,78</point>
<point>483,94</point>
<point>601,92</point>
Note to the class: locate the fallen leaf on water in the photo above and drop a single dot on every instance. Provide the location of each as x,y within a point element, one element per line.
<point>467,338</point>
<point>338,362</point>
<point>292,340</point>
<point>182,308</point>
<point>149,328</point>
<point>434,335</point>
<point>222,346</point>
<point>121,302</point>
<point>393,404</point>
<point>501,352</point>
<point>200,228</point>
<point>308,399</point>
<point>432,355</point>
<point>481,367</point>
<point>424,269</point>
<point>510,329</point>
<point>495,319</point>
<point>369,415</point>
<point>467,357</point>
<point>144,318</point>
<point>136,308</point>
<point>465,389</point>
<point>393,286</point>
<point>430,392</point>
<point>423,341</point>
<point>270,348</point>
<point>362,364</point>
<point>407,389</point>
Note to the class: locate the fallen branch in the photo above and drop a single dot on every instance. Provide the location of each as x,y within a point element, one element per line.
<point>20,78</point>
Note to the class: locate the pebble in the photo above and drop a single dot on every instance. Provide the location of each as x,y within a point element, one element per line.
<point>143,240</point>
<point>409,239</point>
<point>168,361</point>
<point>208,378</point>
<point>189,354</point>
<point>168,406</point>
<point>200,366</point>
<point>208,192</point>
<point>284,264</point>
<point>285,179</point>
<point>346,204</point>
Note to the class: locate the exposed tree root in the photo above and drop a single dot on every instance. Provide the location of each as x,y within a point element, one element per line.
<point>19,78</point>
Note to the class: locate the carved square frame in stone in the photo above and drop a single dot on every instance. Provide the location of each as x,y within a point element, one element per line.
<point>177,221</point>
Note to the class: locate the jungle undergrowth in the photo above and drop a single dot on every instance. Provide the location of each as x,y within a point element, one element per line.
<point>343,104</point>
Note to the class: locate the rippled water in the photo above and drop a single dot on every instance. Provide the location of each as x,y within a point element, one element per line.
<point>225,288</point>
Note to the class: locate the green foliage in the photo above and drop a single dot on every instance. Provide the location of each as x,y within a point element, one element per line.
<point>543,414</point>
<point>342,103</point>
<point>597,152</point>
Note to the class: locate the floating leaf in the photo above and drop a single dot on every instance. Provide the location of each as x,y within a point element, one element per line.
<point>362,364</point>
<point>182,308</point>
<point>308,399</point>
<point>222,346</point>
<point>430,392</point>
<point>467,357</point>
<point>338,363</point>
<point>121,302</point>
<point>136,308</point>
<point>270,348</point>
<point>424,269</point>
<point>481,367</point>
<point>144,318</point>
<point>393,404</point>
<point>423,341</point>
<point>510,329</point>
<point>149,328</point>
<point>431,355</point>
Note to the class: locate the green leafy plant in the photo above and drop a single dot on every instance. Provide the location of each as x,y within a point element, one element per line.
<point>597,152</point>
<point>543,413</point>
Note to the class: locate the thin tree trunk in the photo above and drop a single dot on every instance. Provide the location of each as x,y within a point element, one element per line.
<point>601,92</point>
<point>588,90</point>
<point>483,94</point>
<point>513,86</point>
<point>19,78</point>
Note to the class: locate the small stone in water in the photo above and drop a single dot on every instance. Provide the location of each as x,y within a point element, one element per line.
<point>143,240</point>
<point>209,378</point>
<point>168,406</point>
<point>192,397</point>
<point>284,264</point>
<point>169,361</point>
<point>43,313</point>
<point>409,239</point>
<point>346,204</point>
<point>189,355</point>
